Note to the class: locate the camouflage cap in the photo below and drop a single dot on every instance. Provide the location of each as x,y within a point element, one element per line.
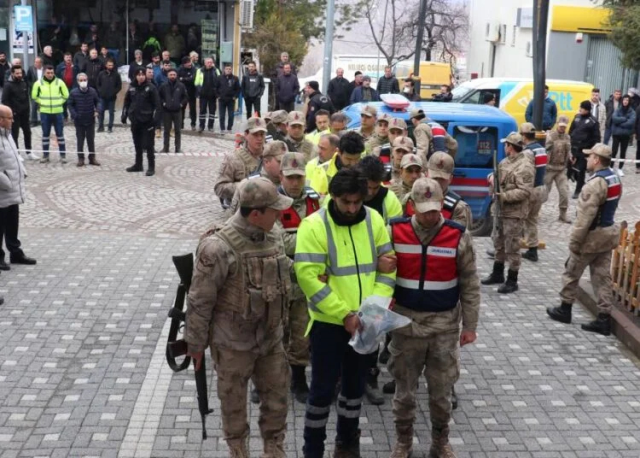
<point>440,165</point>
<point>427,195</point>
<point>397,123</point>
<point>417,113</point>
<point>267,116</point>
<point>260,193</point>
<point>254,125</point>
<point>527,128</point>
<point>276,148</point>
<point>404,143</point>
<point>296,118</point>
<point>513,138</point>
<point>563,120</point>
<point>293,164</point>
<point>410,159</point>
<point>279,117</point>
<point>369,111</point>
<point>384,117</point>
<point>599,149</point>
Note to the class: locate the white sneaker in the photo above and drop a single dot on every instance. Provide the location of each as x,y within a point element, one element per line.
<point>620,172</point>
<point>33,156</point>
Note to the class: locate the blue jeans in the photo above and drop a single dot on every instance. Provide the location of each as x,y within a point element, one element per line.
<point>57,122</point>
<point>332,358</point>
<point>607,135</point>
<point>106,105</point>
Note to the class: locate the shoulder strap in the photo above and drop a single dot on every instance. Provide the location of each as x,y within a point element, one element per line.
<point>454,225</point>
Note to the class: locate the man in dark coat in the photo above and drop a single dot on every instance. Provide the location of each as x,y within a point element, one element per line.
<point>317,101</point>
<point>339,90</point>
<point>15,95</point>
<point>252,89</point>
<point>173,96</point>
<point>287,88</point>
<point>109,84</point>
<point>84,105</point>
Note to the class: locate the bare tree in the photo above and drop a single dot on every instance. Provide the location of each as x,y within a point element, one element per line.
<point>390,33</point>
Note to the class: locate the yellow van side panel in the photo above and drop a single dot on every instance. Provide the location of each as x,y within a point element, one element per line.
<point>432,76</point>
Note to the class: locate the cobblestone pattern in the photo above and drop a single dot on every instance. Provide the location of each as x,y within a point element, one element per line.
<point>81,367</point>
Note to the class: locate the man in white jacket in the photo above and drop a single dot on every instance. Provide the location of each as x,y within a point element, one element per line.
<point>12,192</point>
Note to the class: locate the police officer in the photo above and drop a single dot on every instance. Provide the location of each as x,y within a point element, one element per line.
<point>239,290</point>
<point>422,134</point>
<point>585,133</point>
<point>593,236</point>
<point>295,136</point>
<point>242,162</point>
<point>558,145</point>
<point>437,298</point>
<point>411,170</point>
<point>327,241</point>
<point>440,168</point>
<point>516,175</point>
<point>142,106</point>
<point>305,202</point>
<point>269,168</point>
<point>537,154</point>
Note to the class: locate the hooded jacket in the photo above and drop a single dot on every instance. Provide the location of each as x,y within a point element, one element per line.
<point>15,95</point>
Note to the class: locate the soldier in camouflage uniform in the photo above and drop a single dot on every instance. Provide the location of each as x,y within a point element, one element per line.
<point>440,168</point>
<point>537,154</point>
<point>411,166</point>
<point>368,118</point>
<point>593,236</point>
<point>240,287</point>
<point>558,146</point>
<point>277,127</point>
<point>422,134</point>
<point>381,134</point>
<point>295,136</point>
<point>269,168</point>
<point>397,129</point>
<point>305,202</point>
<point>400,147</point>
<point>516,175</point>
<point>443,317</point>
<point>242,162</point>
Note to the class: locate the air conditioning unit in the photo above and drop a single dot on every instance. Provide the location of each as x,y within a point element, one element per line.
<point>492,32</point>
<point>529,49</point>
<point>246,13</point>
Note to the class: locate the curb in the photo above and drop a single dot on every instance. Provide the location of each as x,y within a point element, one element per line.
<point>624,325</point>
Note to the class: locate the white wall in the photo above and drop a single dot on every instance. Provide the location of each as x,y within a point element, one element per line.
<point>510,58</point>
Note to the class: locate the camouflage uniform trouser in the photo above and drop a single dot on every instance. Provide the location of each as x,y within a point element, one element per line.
<point>531,221</point>
<point>438,357</point>
<point>559,177</point>
<point>270,375</point>
<point>296,344</point>
<point>600,270</point>
<point>506,241</point>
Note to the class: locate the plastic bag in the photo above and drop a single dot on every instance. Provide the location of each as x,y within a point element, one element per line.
<point>377,320</point>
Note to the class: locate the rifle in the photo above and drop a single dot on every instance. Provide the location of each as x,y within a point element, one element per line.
<point>176,348</point>
<point>496,187</point>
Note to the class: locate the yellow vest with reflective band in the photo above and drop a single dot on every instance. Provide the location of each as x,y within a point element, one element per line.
<point>199,81</point>
<point>348,255</point>
<point>392,208</point>
<point>50,96</point>
<point>314,137</point>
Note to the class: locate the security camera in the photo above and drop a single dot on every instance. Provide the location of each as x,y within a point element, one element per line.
<point>579,37</point>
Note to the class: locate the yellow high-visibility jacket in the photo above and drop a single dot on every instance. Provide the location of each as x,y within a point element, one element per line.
<point>50,96</point>
<point>348,255</point>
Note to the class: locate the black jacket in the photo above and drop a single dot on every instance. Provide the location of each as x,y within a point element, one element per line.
<point>83,105</point>
<point>339,91</point>
<point>584,132</point>
<point>173,96</point>
<point>109,84</point>
<point>279,70</point>
<point>209,83</point>
<point>142,104</point>
<point>15,95</point>
<point>32,75</point>
<point>609,106</point>
<point>317,101</point>
<point>252,85</point>
<point>133,68</point>
<point>80,61</point>
<point>388,85</point>
<point>228,87</point>
<point>92,69</point>
<point>287,88</point>
<point>187,76</point>
<point>4,68</point>
<point>443,97</point>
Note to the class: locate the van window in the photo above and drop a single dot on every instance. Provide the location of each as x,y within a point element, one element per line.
<point>476,145</point>
<point>460,92</point>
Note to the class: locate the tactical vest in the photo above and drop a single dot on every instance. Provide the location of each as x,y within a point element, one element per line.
<point>251,164</point>
<point>540,159</point>
<point>427,275</point>
<point>607,211</point>
<point>450,202</point>
<point>438,138</point>
<point>290,219</point>
<point>249,309</point>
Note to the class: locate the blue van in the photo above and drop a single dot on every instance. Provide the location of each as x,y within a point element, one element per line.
<point>478,130</point>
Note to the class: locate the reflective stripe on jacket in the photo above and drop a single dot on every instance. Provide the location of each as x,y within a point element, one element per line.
<point>50,95</point>
<point>607,211</point>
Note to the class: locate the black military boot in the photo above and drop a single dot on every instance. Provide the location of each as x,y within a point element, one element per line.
<point>348,448</point>
<point>531,254</point>
<point>254,397</point>
<point>511,285</point>
<point>454,398</point>
<point>371,387</point>
<point>389,387</point>
<point>497,276</point>
<point>601,325</point>
<point>299,386</point>
<point>151,170</point>
<point>561,314</point>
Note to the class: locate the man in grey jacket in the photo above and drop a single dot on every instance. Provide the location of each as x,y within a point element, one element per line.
<point>12,192</point>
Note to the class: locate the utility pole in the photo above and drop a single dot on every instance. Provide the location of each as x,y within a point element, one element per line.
<point>540,20</point>
<point>25,44</point>
<point>328,46</point>
<point>422,17</point>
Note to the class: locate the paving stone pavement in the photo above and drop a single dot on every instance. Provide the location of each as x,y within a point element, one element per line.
<point>82,370</point>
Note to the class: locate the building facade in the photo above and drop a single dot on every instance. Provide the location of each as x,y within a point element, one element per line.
<point>577,44</point>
